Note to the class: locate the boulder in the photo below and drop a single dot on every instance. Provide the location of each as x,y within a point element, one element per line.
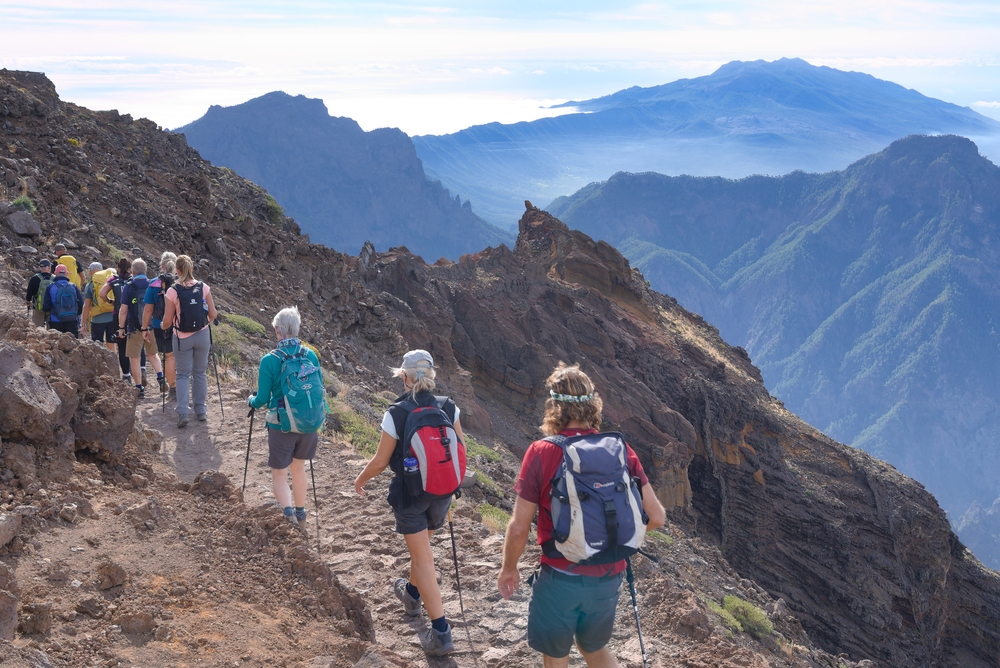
<point>36,618</point>
<point>9,593</point>
<point>112,575</point>
<point>10,524</point>
<point>29,408</point>
<point>24,224</point>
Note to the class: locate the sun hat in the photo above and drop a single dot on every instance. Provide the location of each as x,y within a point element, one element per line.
<point>417,359</point>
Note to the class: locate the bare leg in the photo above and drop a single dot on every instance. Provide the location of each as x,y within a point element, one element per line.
<point>279,483</point>
<point>602,658</point>
<point>422,573</point>
<point>136,369</point>
<point>298,468</point>
<point>170,370</point>
<point>552,662</point>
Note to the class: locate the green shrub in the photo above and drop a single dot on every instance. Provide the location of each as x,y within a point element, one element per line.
<point>660,537</point>
<point>488,483</point>
<point>473,448</point>
<point>26,202</point>
<point>272,210</point>
<point>493,517</point>
<point>244,324</point>
<point>727,618</point>
<point>751,618</point>
<point>357,430</point>
<point>226,345</point>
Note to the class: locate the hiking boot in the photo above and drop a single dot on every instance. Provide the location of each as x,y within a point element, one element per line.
<point>182,420</point>
<point>164,388</point>
<point>142,391</point>
<point>411,606</point>
<point>300,515</point>
<point>437,643</point>
<point>290,517</point>
<point>172,394</point>
<point>201,416</point>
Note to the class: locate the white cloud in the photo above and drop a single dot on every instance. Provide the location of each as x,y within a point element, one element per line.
<point>988,105</point>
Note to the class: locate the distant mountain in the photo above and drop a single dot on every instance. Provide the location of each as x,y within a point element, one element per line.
<point>342,185</point>
<point>746,118</point>
<point>869,298</point>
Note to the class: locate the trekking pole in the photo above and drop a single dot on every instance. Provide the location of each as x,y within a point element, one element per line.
<point>458,582</point>
<point>635,607</point>
<point>315,503</point>
<point>215,364</point>
<point>163,396</point>
<point>246,465</point>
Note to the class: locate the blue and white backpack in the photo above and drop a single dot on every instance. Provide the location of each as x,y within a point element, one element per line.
<point>302,408</point>
<point>597,515</point>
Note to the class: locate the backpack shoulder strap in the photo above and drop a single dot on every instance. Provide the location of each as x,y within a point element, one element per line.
<point>558,439</point>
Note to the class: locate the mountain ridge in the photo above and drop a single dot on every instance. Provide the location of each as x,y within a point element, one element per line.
<point>343,185</point>
<point>864,295</point>
<point>745,118</point>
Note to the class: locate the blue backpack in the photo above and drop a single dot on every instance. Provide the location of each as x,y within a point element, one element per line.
<point>597,515</point>
<point>302,408</point>
<point>64,302</point>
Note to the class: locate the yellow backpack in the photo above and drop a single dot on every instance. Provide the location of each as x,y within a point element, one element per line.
<point>69,262</point>
<point>98,305</point>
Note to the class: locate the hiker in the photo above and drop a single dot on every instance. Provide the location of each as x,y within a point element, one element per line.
<point>289,444</point>
<point>63,302</point>
<point>415,519</point>
<point>152,317</point>
<point>570,600</point>
<point>74,272</point>
<point>189,309</point>
<point>98,314</point>
<point>38,284</point>
<point>112,291</point>
<point>133,291</point>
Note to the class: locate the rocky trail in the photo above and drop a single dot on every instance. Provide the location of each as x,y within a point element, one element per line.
<point>152,559</point>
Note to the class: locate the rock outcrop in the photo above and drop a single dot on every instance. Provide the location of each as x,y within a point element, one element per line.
<point>861,554</point>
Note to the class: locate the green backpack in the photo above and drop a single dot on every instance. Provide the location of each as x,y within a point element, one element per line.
<point>43,285</point>
<point>302,408</point>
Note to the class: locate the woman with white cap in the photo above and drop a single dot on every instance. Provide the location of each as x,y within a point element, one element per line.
<point>415,519</point>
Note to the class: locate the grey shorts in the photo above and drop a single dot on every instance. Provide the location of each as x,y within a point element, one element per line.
<point>282,447</point>
<point>566,606</point>
<point>422,515</point>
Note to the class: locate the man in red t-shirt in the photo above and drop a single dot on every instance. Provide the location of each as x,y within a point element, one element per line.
<point>568,601</point>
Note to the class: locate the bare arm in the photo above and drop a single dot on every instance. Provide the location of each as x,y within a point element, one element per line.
<point>651,505</point>
<point>168,314</point>
<point>105,289</point>
<point>514,543</point>
<point>86,313</point>
<point>386,446</point>
<point>212,313</point>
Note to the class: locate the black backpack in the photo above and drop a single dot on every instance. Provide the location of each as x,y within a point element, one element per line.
<point>137,291</point>
<point>166,280</point>
<point>191,315</point>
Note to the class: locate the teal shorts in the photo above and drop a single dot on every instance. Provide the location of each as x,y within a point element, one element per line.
<point>564,607</point>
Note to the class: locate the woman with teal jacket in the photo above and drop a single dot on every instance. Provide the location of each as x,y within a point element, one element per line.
<point>288,447</point>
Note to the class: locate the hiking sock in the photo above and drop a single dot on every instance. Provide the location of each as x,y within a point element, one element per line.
<point>300,513</point>
<point>412,591</point>
<point>159,375</point>
<point>440,624</point>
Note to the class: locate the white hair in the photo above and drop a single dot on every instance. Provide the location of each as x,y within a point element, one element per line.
<point>417,379</point>
<point>138,266</point>
<point>287,322</point>
<point>167,257</point>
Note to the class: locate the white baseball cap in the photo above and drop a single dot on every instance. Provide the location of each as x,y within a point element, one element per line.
<point>416,359</point>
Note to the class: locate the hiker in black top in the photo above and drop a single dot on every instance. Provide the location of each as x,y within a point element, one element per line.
<point>63,318</point>
<point>414,519</point>
<point>114,286</point>
<point>35,295</point>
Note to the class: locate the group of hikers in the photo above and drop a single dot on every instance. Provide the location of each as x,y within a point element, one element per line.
<point>588,489</point>
<point>140,318</point>
<point>592,498</point>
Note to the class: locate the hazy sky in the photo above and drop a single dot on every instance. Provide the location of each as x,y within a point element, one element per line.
<point>434,68</point>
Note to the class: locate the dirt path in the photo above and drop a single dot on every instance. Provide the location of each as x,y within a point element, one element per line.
<point>358,542</point>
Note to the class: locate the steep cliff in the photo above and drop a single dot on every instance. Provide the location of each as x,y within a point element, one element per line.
<point>862,556</point>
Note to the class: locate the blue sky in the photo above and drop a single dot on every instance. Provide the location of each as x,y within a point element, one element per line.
<point>438,67</point>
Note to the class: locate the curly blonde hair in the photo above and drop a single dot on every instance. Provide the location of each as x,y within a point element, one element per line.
<point>569,380</point>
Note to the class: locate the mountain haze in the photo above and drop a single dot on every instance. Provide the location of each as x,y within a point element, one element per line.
<point>343,185</point>
<point>870,298</point>
<point>745,118</point>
